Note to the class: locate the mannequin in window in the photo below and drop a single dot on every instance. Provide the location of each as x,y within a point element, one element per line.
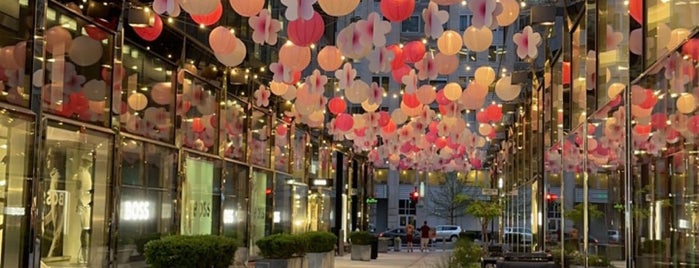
<point>54,218</point>
<point>83,178</point>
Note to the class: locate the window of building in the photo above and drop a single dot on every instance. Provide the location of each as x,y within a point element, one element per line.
<point>464,22</point>
<point>411,25</point>
<point>406,212</point>
<point>494,53</point>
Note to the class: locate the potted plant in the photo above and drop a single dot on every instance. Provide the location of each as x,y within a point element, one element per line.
<point>577,260</point>
<point>282,250</point>
<point>190,251</point>
<point>361,245</point>
<point>320,252</point>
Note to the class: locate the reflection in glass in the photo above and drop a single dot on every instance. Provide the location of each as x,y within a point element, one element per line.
<point>201,200</point>
<point>197,104</point>
<point>232,131</point>
<point>235,196</point>
<point>260,142</point>
<point>76,184</point>
<point>281,147</point>
<point>14,74</point>
<point>261,210</point>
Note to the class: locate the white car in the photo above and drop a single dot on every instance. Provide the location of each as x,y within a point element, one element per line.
<point>448,232</point>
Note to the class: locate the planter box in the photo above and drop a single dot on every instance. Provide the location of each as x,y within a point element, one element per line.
<point>383,245</point>
<point>297,262</point>
<point>361,252</point>
<point>320,260</point>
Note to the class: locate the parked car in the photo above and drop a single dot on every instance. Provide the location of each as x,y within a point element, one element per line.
<point>523,230</point>
<point>448,232</point>
<point>614,236</point>
<point>400,232</point>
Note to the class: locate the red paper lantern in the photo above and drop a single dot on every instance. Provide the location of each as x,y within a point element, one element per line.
<point>197,125</point>
<point>636,10</point>
<point>306,32</point>
<point>344,122</point>
<point>433,127</point>
<point>413,51</point>
<point>337,105</point>
<point>441,99</point>
<point>691,48</point>
<point>397,10</point>
<point>360,132</point>
<point>281,129</point>
<point>431,137</point>
<point>398,73</point>
<point>95,32</point>
<point>650,100</point>
<point>78,103</point>
<point>209,19</point>
<point>384,118</point>
<point>482,117</point>
<point>476,163</point>
<point>493,112</point>
<point>440,142</point>
<point>150,33</point>
<point>389,128</point>
<point>642,129</point>
<point>397,61</point>
<point>658,121</point>
<point>411,100</point>
<point>566,73</point>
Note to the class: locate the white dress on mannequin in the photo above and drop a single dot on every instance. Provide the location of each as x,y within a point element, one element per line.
<point>83,176</point>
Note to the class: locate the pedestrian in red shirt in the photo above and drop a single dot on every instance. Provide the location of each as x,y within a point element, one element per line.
<point>424,236</point>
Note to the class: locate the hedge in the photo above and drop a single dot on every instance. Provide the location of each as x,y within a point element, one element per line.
<point>204,251</point>
<point>320,241</point>
<point>283,246</point>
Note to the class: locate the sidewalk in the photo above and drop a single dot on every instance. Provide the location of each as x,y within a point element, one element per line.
<point>396,260</point>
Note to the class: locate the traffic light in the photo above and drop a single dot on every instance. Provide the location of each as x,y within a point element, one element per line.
<point>414,196</point>
<point>551,197</point>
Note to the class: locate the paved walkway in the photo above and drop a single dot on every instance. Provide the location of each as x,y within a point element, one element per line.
<point>396,260</point>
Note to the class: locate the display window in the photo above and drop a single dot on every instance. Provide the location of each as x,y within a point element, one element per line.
<point>201,196</point>
<point>75,196</point>
<point>235,197</point>
<point>147,197</point>
<point>16,143</point>
<point>262,214</point>
<point>197,105</point>
<point>667,23</point>
<point>281,146</point>
<point>79,59</point>
<point>233,128</point>
<point>147,97</point>
<point>299,149</point>
<point>16,17</point>
<point>260,143</point>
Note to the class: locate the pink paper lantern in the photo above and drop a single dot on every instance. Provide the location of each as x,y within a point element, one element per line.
<point>210,18</point>
<point>446,64</point>
<point>384,118</point>
<point>222,40</point>
<point>337,105</point>
<point>56,37</point>
<point>295,57</point>
<point>306,32</point>
<point>150,33</point>
<point>397,10</point>
<point>20,53</point>
<point>247,8</point>
<point>413,51</point>
<point>658,121</point>
<point>330,58</point>
<point>344,122</point>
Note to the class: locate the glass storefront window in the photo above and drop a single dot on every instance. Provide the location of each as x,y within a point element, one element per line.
<point>283,203</point>
<point>198,104</point>
<point>75,193</point>
<point>79,56</point>
<point>201,196</point>
<point>16,143</point>
<point>147,96</point>
<point>148,195</point>
<point>261,208</point>
<point>235,196</point>
<point>668,22</point>
<point>260,143</point>
<point>233,129</point>
<point>14,73</point>
<point>281,147</point>
<point>298,150</point>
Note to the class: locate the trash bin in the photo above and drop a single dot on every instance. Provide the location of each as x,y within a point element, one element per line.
<point>383,245</point>
<point>396,244</point>
<point>374,248</point>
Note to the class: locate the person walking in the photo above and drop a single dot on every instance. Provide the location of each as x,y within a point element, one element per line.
<point>424,236</point>
<point>409,231</point>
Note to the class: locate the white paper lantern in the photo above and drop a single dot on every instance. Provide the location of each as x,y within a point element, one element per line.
<point>505,90</point>
<point>278,88</point>
<point>85,51</point>
<point>452,91</point>
<point>615,89</point>
<point>234,58</point>
<point>686,103</point>
<point>485,129</point>
<point>290,93</point>
<point>398,116</point>
<point>450,43</point>
<point>478,40</point>
<point>95,90</point>
<point>358,92</point>
<point>485,75</point>
<point>161,93</point>
<point>137,101</point>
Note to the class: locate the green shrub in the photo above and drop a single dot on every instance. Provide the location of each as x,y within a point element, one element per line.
<point>142,240</point>
<point>321,241</point>
<point>466,253</point>
<point>653,247</point>
<point>361,238</point>
<point>283,246</point>
<point>191,251</point>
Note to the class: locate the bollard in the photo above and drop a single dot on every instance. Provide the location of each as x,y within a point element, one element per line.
<point>396,244</point>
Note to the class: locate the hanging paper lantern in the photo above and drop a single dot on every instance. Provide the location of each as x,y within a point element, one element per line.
<point>398,73</point>
<point>441,98</point>
<point>413,51</point>
<point>397,10</point>
<point>484,75</point>
<point>295,57</point>
<point>338,8</point>
<point>446,65</point>
<point>478,39</point>
<point>686,103</point>
<point>505,90</point>
<point>162,93</point>
<point>20,53</point>
<point>97,107</point>
<point>197,125</point>
<point>411,100</point>
<point>330,58</point>
<point>398,116</point>
<point>85,51</point>
<point>690,48</point>
<point>58,40</point>
<point>358,92</point>
<point>234,58</point>
<point>452,91</point>
<point>566,73</point>
<point>642,129</point>
<point>426,94</point>
<point>450,43</point>
<point>659,121</point>
<point>615,89</point>
<point>635,43</point>
<point>482,117</point>
<point>636,10</point>
<point>477,90</point>
<point>510,12</point>
<point>306,32</point>
<point>247,8</point>
<point>344,122</point>
<point>95,32</point>
<point>384,118</point>
<point>7,59</point>
<point>95,90</point>
<point>222,40</point>
<point>209,18</point>
<point>150,33</point>
<point>485,129</point>
<point>677,36</point>
<point>199,7</point>
<point>494,113</point>
<point>397,61</point>
<point>337,105</point>
<point>137,101</point>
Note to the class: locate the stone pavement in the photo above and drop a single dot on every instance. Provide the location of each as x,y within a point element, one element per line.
<point>402,259</point>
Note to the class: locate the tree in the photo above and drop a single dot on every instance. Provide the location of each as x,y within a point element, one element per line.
<point>447,201</point>
<point>576,214</point>
<point>485,211</point>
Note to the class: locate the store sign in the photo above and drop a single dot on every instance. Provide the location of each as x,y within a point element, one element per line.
<point>371,201</point>
<point>228,216</point>
<point>136,211</point>
<point>489,191</point>
<point>322,182</point>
